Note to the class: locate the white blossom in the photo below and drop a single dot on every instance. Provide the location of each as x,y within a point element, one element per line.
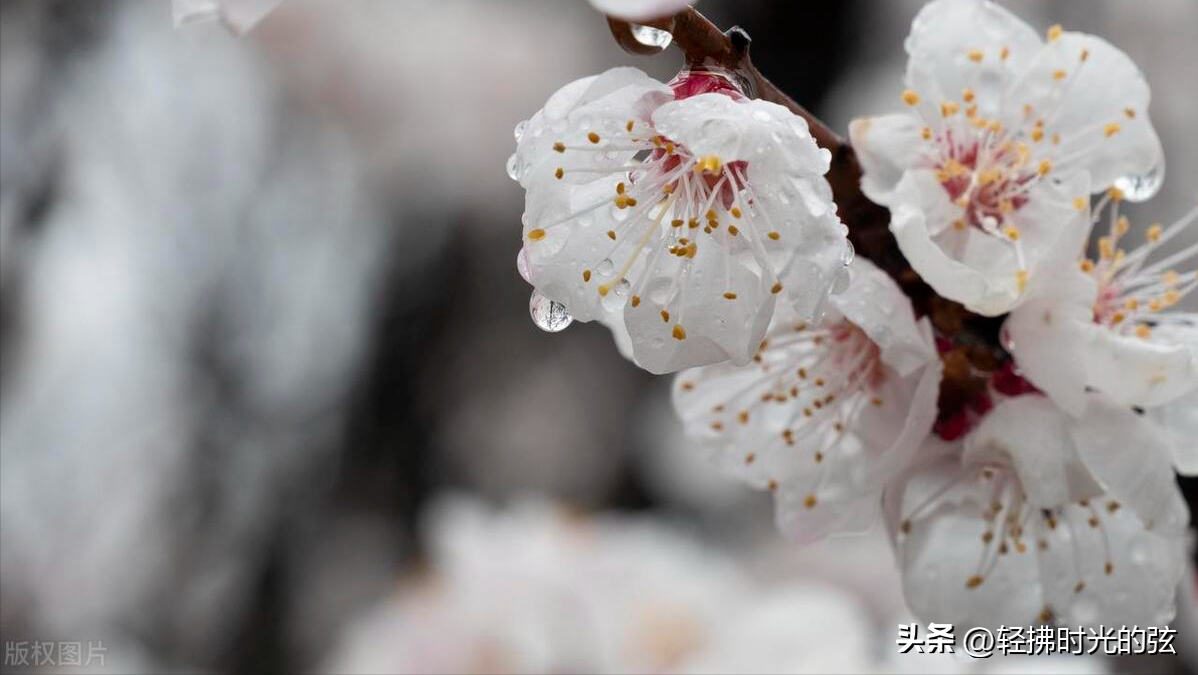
<point>1114,324</point>
<point>826,413</point>
<point>987,173</point>
<point>677,217</point>
<point>1038,516</point>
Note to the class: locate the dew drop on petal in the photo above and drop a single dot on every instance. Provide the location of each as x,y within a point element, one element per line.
<point>1143,187</point>
<point>522,265</point>
<point>512,171</point>
<point>518,132</point>
<point>606,267</point>
<point>549,315</point>
<point>848,254</point>
<point>651,37</point>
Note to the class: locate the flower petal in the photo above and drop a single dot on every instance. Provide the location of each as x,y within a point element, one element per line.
<point>945,38</point>
<point>1045,333</point>
<point>1130,457</point>
<point>1098,103</point>
<point>1033,435</point>
<point>239,15</point>
<point>887,146</point>
<point>1102,564</point>
<point>1179,420</point>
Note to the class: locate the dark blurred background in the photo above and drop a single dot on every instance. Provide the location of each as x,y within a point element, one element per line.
<point>258,301</point>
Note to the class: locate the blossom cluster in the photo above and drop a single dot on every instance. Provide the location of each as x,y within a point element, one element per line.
<point>695,222</point>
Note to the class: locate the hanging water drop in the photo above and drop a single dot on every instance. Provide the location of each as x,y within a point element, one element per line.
<point>512,172</point>
<point>848,254</point>
<point>1143,187</point>
<point>518,132</point>
<point>651,37</point>
<point>549,315</point>
<point>605,267</point>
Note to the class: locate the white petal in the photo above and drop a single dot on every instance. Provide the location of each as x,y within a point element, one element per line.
<point>1045,333</point>
<point>1179,420</point>
<point>979,270</point>
<point>942,38</point>
<point>1130,458</point>
<point>942,550</point>
<point>1145,565</point>
<point>887,146</point>
<point>1107,88</point>
<point>1033,435</point>
<point>1134,371</point>
<point>640,10</point>
<point>876,304</point>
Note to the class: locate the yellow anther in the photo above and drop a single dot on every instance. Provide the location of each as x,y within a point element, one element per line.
<point>1021,278</point>
<point>668,189</point>
<point>810,501</point>
<point>774,235</point>
<point>776,288</point>
<point>1132,304</point>
<point>735,212</point>
<point>669,148</point>
<point>729,296</point>
<point>1045,167</point>
<point>1130,112</point>
<point>1054,32</point>
<point>910,97</point>
<point>1012,232</point>
<point>967,95</point>
<point>743,417</point>
<point>611,234</point>
<point>677,222</point>
<point>1037,133</point>
<point>1059,74</point>
<point>1143,331</point>
<point>1080,203</point>
<point>1106,248</point>
<point>1156,304</point>
<point>1084,55</point>
<point>989,176</point>
<point>995,127</point>
<point>536,235</point>
<point>1087,265</point>
<point>949,108</point>
<point>1117,318</point>
<point>1004,53</point>
<point>679,332</point>
<point>1171,297</point>
<point>1154,233</point>
<point>1115,193</point>
<point>635,301</point>
<point>630,125</point>
<point>1056,139</point>
<point>560,173</point>
<point>973,582</point>
<point>926,133</point>
<point>1006,206</point>
<point>593,137</point>
<point>586,276</point>
<point>604,290</point>
<point>972,111</point>
<point>665,316</point>
<point>1171,278</point>
<point>975,55</point>
<point>959,225</point>
<point>1111,129</point>
<point>710,164</point>
<point>559,147</point>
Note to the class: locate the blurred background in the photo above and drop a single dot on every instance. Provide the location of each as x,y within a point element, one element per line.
<point>271,398</point>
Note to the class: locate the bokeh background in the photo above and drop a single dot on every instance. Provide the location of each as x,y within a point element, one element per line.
<point>270,398</point>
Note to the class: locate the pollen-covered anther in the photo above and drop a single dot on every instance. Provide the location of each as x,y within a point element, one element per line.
<point>910,97</point>
<point>709,164</point>
<point>586,275</point>
<point>810,501</point>
<point>774,235</point>
<point>1111,129</point>
<point>635,301</point>
<point>679,333</point>
<point>1059,74</point>
<point>536,234</point>
<point>1045,167</point>
<point>729,296</point>
<point>560,173</point>
<point>974,581</point>
<point>1054,32</point>
<point>975,55</point>
<point>1011,232</point>
<point>949,108</point>
<point>776,288</point>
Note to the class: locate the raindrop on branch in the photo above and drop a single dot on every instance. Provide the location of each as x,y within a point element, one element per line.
<point>652,37</point>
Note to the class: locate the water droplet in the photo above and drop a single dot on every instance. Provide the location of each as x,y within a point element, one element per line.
<point>549,315</point>
<point>841,283</point>
<point>522,265</point>
<point>606,267</point>
<point>1143,187</point>
<point>621,289</point>
<point>512,171</point>
<point>848,254</point>
<point>651,37</point>
<point>518,132</point>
